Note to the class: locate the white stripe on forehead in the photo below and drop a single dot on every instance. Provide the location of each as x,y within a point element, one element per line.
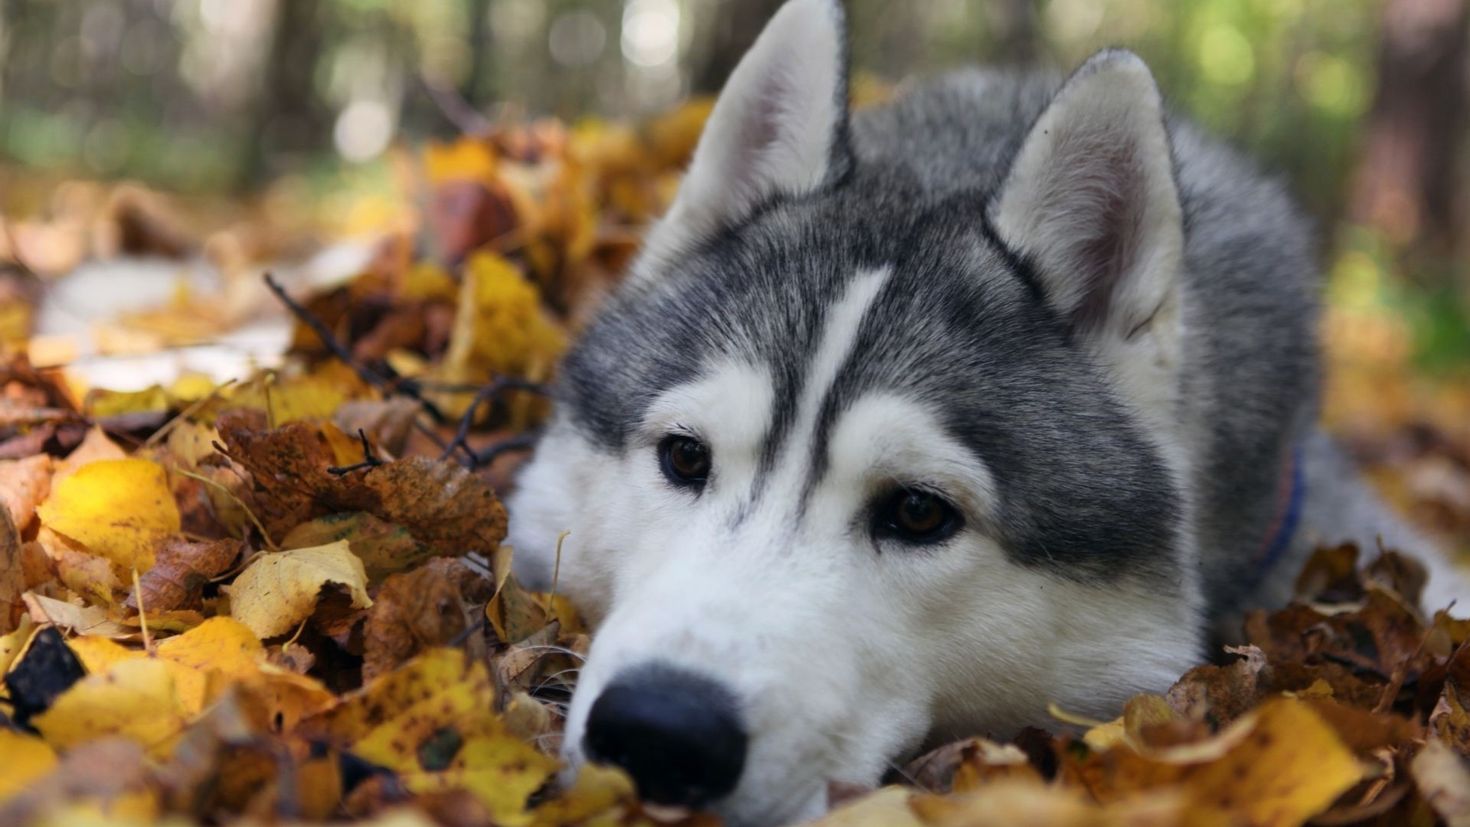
<point>839,335</point>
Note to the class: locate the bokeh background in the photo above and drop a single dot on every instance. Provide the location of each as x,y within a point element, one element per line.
<point>302,113</point>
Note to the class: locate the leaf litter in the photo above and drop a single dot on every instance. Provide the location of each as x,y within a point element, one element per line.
<point>286,600</point>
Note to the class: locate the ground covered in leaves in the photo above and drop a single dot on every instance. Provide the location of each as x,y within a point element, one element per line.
<point>285,598</point>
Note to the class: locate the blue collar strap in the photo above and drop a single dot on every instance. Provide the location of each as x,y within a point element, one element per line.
<point>1283,527</point>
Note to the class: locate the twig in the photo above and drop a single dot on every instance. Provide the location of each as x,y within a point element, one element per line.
<point>369,460</point>
<point>485,394</point>
<point>520,442</point>
<point>391,383</point>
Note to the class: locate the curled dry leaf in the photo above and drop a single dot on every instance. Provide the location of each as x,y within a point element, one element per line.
<point>181,569</point>
<point>384,548</point>
<point>444,506</point>
<point>279,590</point>
<point>12,573</point>
<point>24,484</point>
<point>430,606</point>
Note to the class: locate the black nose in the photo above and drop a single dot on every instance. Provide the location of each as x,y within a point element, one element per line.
<point>676,733</point>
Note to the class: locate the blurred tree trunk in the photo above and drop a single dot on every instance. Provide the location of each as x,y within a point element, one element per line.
<point>734,26</point>
<point>1406,178</point>
<point>289,117</point>
<point>477,88</point>
<point>1017,32</point>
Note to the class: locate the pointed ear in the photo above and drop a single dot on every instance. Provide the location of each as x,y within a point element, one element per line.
<point>778,128</point>
<point>1091,201</point>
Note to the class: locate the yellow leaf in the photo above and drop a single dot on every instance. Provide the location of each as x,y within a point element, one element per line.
<point>888,806</point>
<point>600,792</point>
<point>280,590</point>
<point>500,770</point>
<point>200,662</point>
<point>12,644</point>
<point>135,698</point>
<point>426,676</point>
<point>500,328</point>
<point>96,445</point>
<point>104,403</point>
<point>26,759</point>
<point>98,654</point>
<point>210,656</point>
<point>117,509</point>
<point>466,159</point>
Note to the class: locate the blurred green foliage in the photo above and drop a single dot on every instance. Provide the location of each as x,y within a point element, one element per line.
<point>226,96</point>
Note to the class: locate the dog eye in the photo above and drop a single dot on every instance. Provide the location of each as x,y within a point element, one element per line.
<point>684,460</point>
<point>916,516</point>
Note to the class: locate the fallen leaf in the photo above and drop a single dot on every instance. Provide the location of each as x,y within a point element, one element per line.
<point>135,698</point>
<point>24,484</point>
<point>279,590</point>
<point>84,620</point>
<point>27,758</point>
<point>12,574</point>
<point>427,607</point>
<point>117,509</point>
<point>181,569</point>
<point>95,446</point>
<point>384,548</point>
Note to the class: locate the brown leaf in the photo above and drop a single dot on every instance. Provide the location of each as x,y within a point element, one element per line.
<point>12,574</point>
<point>384,548</point>
<point>1220,694</point>
<point>24,484</point>
<point>429,606</point>
<point>180,571</point>
<point>441,504</point>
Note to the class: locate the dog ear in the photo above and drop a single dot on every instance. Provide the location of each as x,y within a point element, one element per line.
<point>778,128</point>
<point>1091,201</point>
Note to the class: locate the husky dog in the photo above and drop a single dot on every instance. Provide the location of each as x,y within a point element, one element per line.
<point>907,424</point>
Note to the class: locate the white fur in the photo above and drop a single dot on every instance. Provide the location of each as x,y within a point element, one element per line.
<point>771,130</point>
<point>842,650</point>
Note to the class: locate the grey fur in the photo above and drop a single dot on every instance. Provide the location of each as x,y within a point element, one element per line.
<point>963,325</point>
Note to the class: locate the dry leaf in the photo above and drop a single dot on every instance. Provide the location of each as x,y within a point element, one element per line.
<point>24,484</point>
<point>430,606</point>
<point>116,509</point>
<point>135,698</point>
<point>12,574</point>
<point>181,569</point>
<point>279,590</point>
<point>384,548</point>
<point>27,758</point>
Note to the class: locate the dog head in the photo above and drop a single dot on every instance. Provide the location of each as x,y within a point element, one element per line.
<point>853,462</point>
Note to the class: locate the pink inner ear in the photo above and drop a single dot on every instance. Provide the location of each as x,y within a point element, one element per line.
<point>1114,179</point>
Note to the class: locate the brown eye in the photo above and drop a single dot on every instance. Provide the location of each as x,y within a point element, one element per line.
<point>684,460</point>
<point>916,516</point>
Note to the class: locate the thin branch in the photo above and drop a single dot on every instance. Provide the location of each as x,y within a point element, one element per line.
<point>520,442</point>
<point>485,394</point>
<point>392,383</point>
<point>369,459</point>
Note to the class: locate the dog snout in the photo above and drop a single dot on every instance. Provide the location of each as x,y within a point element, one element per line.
<point>677,733</point>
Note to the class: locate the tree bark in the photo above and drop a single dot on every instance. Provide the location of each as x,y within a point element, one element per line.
<point>735,26</point>
<point>1406,179</point>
